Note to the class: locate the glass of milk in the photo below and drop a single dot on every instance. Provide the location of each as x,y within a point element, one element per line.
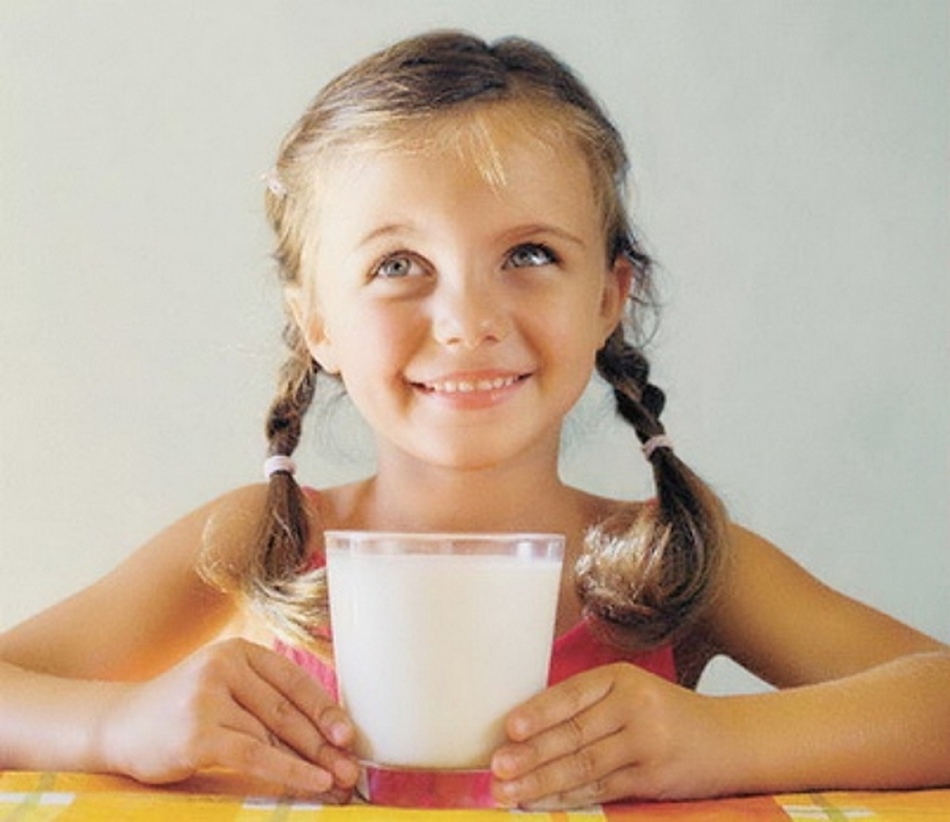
<point>436,637</point>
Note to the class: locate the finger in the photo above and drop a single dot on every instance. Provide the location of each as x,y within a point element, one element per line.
<point>252,757</point>
<point>284,712</point>
<point>557,704</point>
<point>578,733</point>
<point>341,766</point>
<point>587,775</point>
<point>621,784</point>
<point>575,733</point>
<point>289,703</point>
<point>302,692</point>
<point>276,715</point>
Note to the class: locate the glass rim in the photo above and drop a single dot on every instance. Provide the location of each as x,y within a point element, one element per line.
<point>442,536</point>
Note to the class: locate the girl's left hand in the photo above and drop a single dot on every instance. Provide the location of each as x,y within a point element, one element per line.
<point>610,733</point>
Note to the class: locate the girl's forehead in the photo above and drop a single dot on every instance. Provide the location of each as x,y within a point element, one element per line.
<point>487,137</point>
<point>502,175</point>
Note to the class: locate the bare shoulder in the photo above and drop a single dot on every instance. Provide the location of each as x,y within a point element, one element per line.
<point>778,620</point>
<point>151,609</point>
<point>223,533</point>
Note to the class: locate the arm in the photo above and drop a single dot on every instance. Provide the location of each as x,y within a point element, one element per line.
<point>865,705</point>
<point>115,678</point>
<point>887,727</point>
<point>135,622</point>
<point>865,700</point>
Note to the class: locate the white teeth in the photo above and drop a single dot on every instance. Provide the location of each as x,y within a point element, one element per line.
<point>470,386</point>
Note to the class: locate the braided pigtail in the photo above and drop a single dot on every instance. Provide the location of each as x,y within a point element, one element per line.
<point>650,571</point>
<point>277,583</point>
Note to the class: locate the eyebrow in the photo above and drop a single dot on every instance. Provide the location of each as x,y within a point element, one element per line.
<point>386,231</point>
<point>512,235</point>
<point>544,228</point>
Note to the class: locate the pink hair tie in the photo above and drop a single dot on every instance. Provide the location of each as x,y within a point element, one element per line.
<point>659,441</point>
<point>275,185</point>
<point>279,464</point>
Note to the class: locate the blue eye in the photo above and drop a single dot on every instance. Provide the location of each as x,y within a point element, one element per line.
<point>530,255</point>
<point>396,267</point>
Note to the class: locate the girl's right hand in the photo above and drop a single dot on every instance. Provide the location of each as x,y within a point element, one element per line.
<point>239,706</point>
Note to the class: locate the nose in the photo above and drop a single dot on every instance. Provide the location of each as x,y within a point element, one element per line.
<point>470,314</point>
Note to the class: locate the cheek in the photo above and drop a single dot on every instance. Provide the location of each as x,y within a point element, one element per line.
<point>576,325</point>
<point>393,335</point>
<point>373,344</point>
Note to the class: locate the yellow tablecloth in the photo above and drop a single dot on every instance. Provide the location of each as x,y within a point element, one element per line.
<point>216,797</point>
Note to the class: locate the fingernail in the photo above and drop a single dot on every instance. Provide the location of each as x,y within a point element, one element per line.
<point>336,727</point>
<point>347,772</point>
<point>504,764</point>
<point>322,782</point>
<point>507,793</point>
<point>519,727</point>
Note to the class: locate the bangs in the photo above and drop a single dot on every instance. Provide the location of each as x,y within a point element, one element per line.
<point>475,131</point>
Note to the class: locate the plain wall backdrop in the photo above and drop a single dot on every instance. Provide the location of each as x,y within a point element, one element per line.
<point>790,175</point>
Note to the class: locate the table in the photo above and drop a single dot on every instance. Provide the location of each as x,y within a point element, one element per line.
<point>27,796</point>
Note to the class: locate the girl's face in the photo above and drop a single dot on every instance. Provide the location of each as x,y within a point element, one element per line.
<point>462,309</point>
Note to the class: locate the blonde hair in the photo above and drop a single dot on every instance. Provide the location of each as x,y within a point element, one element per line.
<point>649,571</point>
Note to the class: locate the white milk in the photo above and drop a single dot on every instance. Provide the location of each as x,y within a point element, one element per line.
<point>433,650</point>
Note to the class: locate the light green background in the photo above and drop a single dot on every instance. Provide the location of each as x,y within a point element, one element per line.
<point>791,178</point>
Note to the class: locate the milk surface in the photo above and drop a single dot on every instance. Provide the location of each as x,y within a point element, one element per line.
<point>433,650</point>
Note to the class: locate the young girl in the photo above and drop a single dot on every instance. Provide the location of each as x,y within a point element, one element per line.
<point>454,247</point>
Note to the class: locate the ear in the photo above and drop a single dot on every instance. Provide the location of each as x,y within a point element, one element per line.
<point>617,285</point>
<point>312,327</point>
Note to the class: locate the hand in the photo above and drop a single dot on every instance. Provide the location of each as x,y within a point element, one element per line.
<point>610,733</point>
<point>239,706</point>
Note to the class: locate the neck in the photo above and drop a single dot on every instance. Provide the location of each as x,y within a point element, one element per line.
<point>499,498</point>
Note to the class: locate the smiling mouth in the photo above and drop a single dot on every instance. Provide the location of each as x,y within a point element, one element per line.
<point>470,386</point>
